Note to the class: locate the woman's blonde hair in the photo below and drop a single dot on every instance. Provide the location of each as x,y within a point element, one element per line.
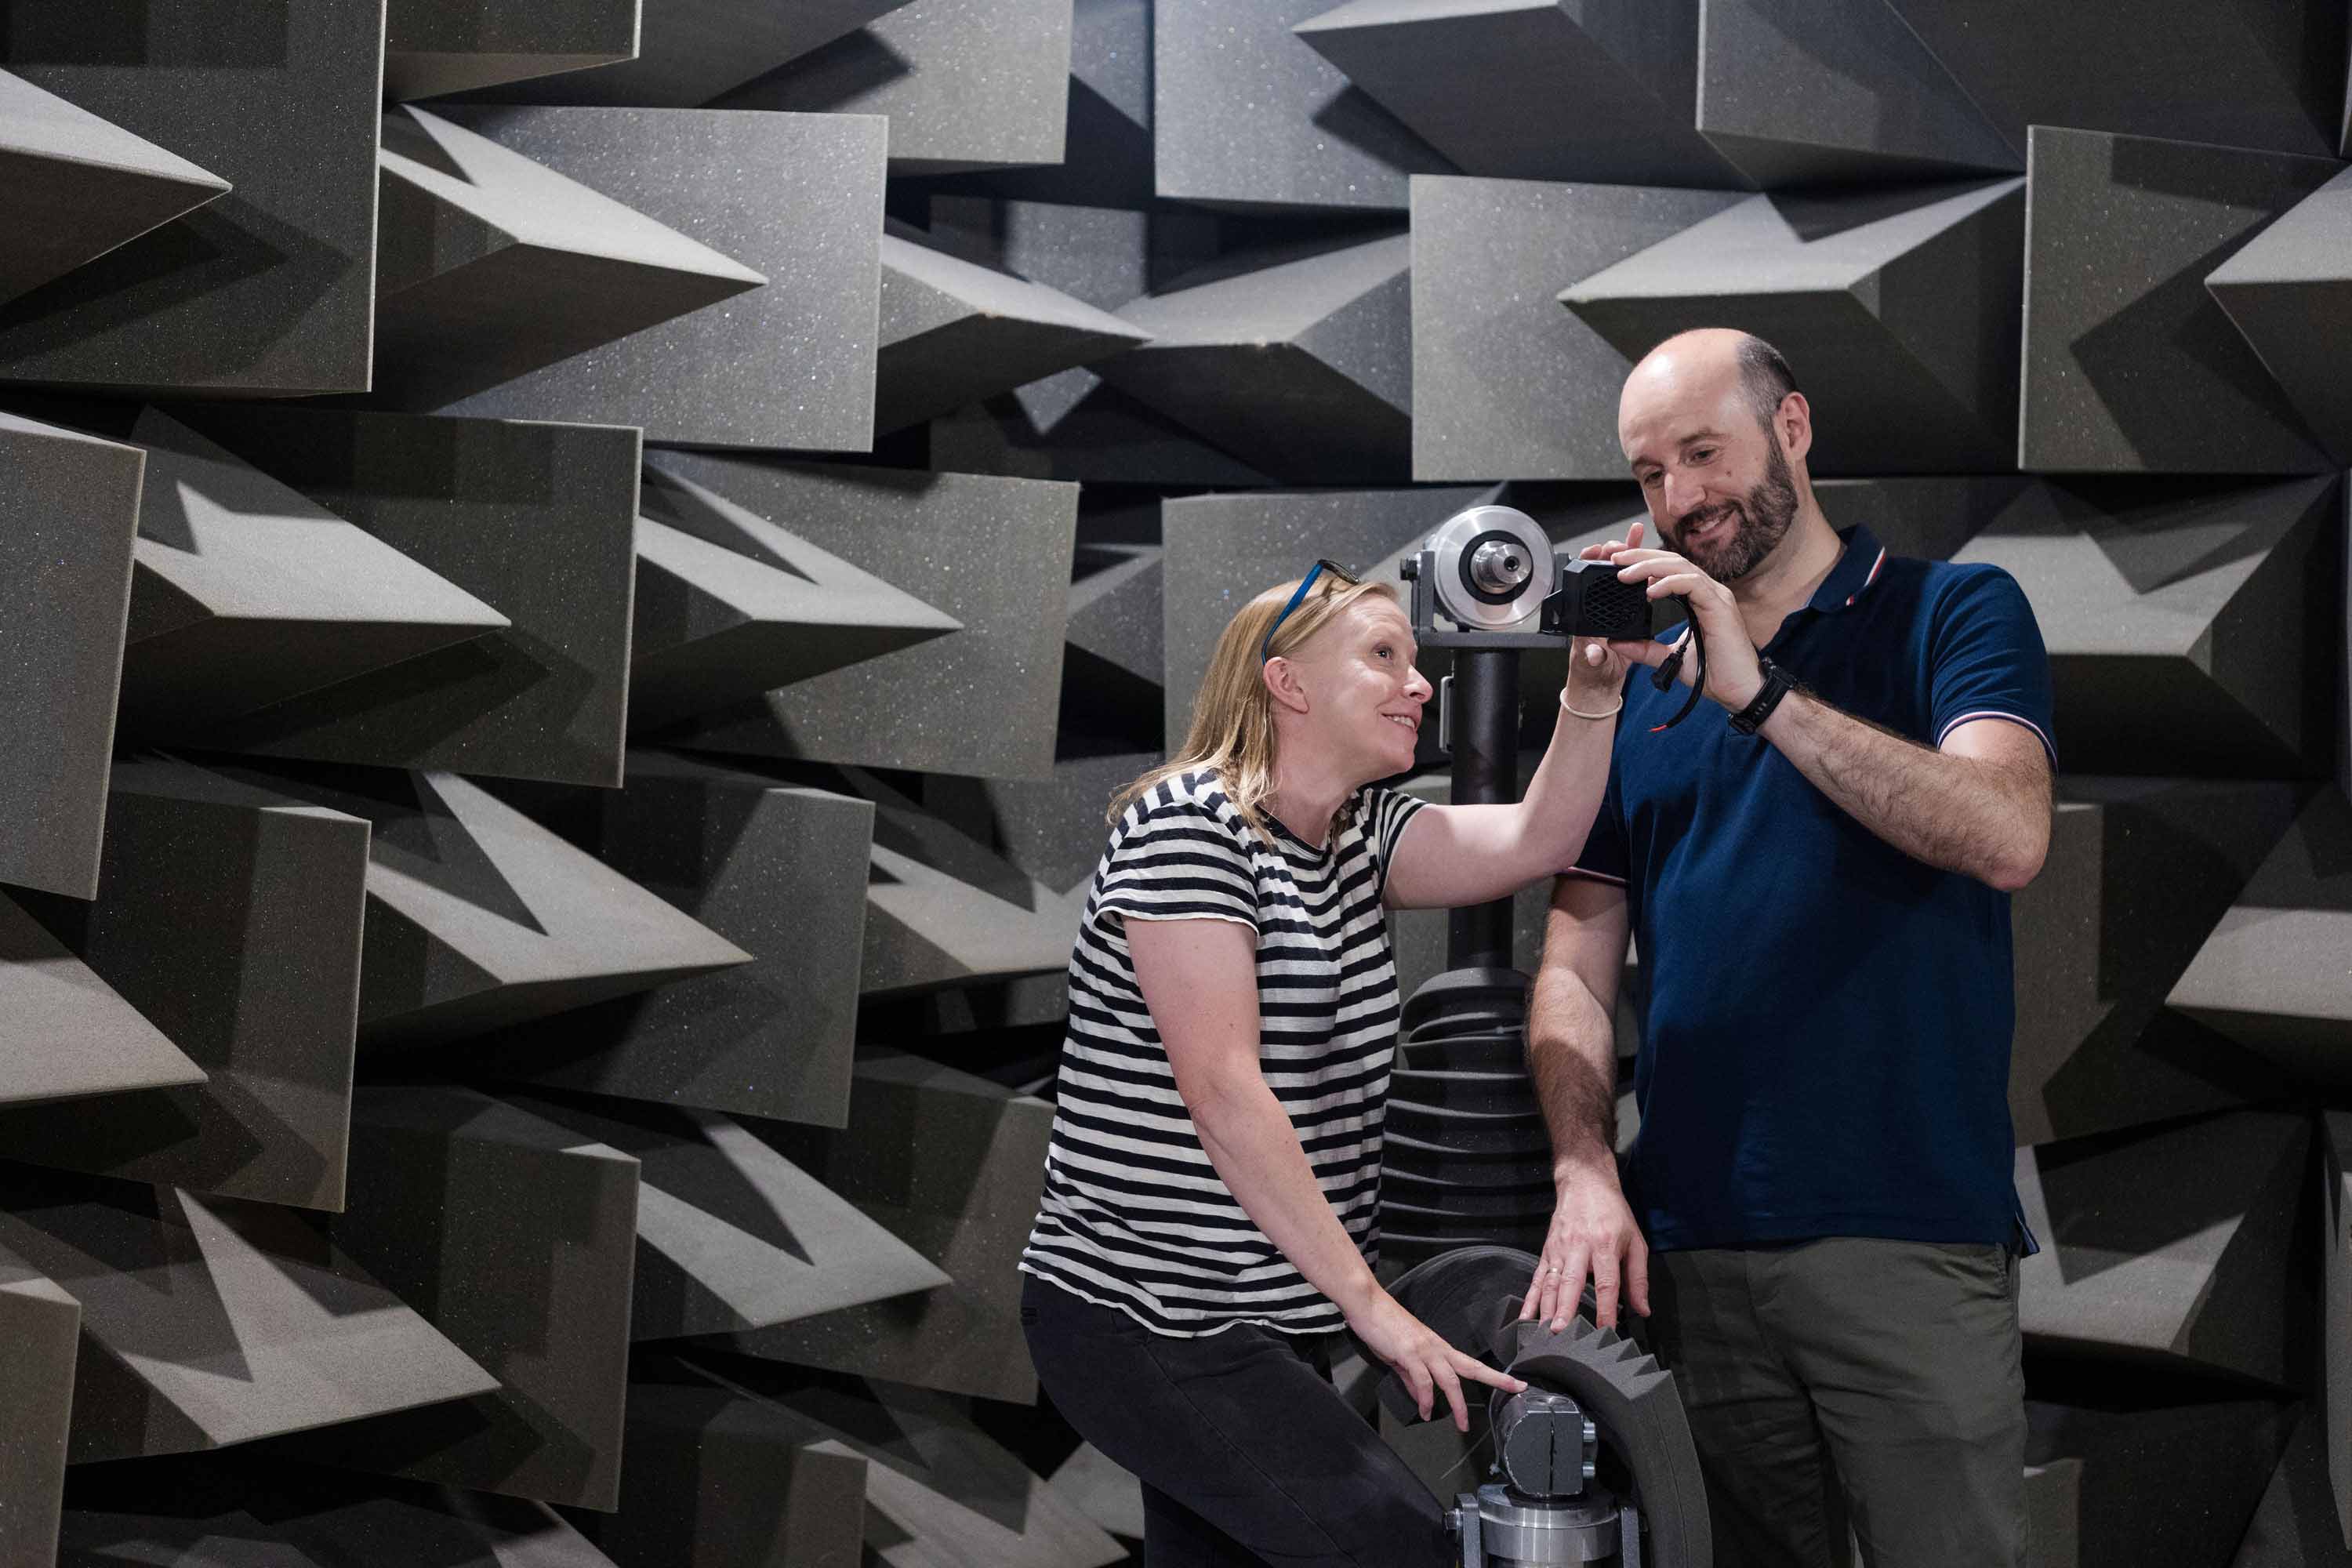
<point>1232,732</point>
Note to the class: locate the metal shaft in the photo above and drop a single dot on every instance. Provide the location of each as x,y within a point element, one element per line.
<point>1486,773</point>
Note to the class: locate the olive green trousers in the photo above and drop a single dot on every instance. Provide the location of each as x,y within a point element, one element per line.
<point>1851,1382</point>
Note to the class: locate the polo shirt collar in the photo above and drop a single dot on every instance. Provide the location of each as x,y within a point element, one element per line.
<point>1855,570</point>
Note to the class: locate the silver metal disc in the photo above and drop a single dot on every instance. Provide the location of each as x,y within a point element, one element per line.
<point>1519,547</point>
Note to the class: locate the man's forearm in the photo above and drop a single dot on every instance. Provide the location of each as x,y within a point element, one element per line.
<point>1572,1061</point>
<point>1960,813</point>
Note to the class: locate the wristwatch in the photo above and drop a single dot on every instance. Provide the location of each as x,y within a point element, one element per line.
<point>1778,683</point>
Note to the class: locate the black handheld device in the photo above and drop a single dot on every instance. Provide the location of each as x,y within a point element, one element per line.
<point>1591,601</point>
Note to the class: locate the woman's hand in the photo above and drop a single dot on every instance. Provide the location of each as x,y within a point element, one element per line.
<point>1596,674</point>
<point>1426,1363</point>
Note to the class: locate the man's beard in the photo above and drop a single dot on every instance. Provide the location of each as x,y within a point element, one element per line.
<point>1765,515</point>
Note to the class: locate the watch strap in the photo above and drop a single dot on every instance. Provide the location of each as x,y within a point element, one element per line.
<point>1778,683</point>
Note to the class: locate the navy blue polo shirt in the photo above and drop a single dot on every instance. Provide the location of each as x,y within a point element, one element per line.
<point>1825,1030</point>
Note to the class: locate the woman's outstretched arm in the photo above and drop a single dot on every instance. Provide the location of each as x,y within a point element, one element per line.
<point>1454,855</point>
<point>1449,856</point>
<point>1199,977</point>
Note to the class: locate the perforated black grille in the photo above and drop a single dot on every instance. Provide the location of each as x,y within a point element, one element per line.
<point>1614,609</point>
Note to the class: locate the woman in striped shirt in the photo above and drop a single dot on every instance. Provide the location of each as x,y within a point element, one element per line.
<point>1209,1223</point>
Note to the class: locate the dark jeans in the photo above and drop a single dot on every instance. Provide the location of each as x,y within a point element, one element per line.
<point>1850,1380</point>
<point>1246,1452</point>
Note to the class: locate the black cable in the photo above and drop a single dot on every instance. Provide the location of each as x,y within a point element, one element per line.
<point>1664,676</point>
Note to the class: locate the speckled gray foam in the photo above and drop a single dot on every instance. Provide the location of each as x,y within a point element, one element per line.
<point>937,1481</point>
<point>691,51</point>
<point>1105,160</point>
<point>2130,364</point>
<point>1071,426</point>
<point>2138,873</point>
<point>1098,255</point>
<point>779,870</point>
<point>244,593</point>
<point>1533,91</point>
<point>966,84</point>
<point>173,1288</point>
<point>449,46</point>
<point>239,1510</point>
<point>1892,307</point>
<point>953,1166</point>
<point>1114,607</point>
<point>795,197</point>
<point>1245,114</point>
<point>1510,386</point>
<point>1303,367</point>
<point>269,289</point>
<point>2236,75</point>
<point>2335,1309</point>
<point>64,1032</point>
<point>470,262</point>
<point>1074,426</point>
<point>2174,1249</point>
<point>1802,94</point>
<point>686,1444</point>
<point>992,552</point>
<point>232,920</point>
<point>1051,829</point>
<point>729,607</point>
<point>945,912</point>
<point>538,521</point>
<point>2269,973</point>
<point>953,332</point>
<point>1931,518</point>
<point>2297,1519</point>
<point>517,1238</point>
<point>2289,293</point>
<point>2161,1472</point>
<point>80,186</point>
<point>68,514</point>
<point>41,1325</point>
<point>2168,651</point>
<point>731,1235</point>
<point>479,917</point>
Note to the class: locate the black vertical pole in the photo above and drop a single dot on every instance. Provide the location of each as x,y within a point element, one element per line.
<point>1485,772</point>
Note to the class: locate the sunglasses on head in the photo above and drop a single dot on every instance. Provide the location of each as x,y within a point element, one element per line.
<point>1297,596</point>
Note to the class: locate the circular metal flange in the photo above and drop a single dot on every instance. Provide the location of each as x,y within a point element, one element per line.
<point>1493,567</point>
<point>1524,1530</point>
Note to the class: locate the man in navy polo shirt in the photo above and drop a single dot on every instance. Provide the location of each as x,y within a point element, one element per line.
<point>1819,870</point>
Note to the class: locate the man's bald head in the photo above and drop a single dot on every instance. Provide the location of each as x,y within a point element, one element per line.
<point>1715,434</point>
<point>1708,352</point>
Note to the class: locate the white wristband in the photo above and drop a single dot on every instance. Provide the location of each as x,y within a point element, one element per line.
<point>1580,713</point>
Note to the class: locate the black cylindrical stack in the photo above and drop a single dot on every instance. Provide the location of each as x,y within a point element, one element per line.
<point>1467,1159</point>
<point>1485,736</point>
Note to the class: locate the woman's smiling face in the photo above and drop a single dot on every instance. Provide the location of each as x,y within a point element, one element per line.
<point>1365,696</point>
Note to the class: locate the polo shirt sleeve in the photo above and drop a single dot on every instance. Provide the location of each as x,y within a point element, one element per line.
<point>1384,814</point>
<point>1987,658</point>
<point>1603,856</point>
<point>1176,860</point>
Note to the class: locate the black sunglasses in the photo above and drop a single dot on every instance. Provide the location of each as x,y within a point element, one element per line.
<point>1298,596</point>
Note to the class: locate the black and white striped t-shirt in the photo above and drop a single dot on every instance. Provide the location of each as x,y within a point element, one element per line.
<point>1134,1215</point>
